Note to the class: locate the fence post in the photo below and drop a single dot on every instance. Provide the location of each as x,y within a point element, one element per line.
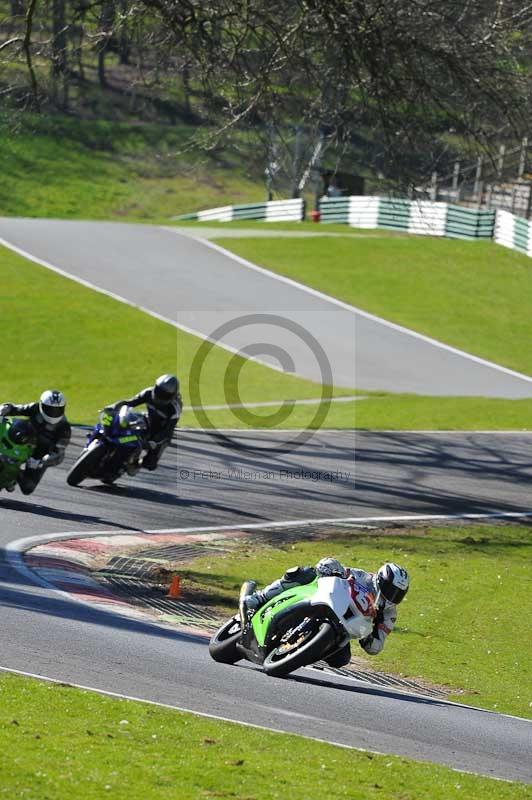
<point>522,157</point>
<point>433,194</point>
<point>478,176</point>
<point>456,178</point>
<point>500,160</point>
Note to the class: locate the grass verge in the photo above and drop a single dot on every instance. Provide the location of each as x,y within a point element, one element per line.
<point>472,295</point>
<point>97,349</point>
<point>57,740</point>
<point>137,172</point>
<point>454,628</point>
<point>394,412</point>
<point>56,332</point>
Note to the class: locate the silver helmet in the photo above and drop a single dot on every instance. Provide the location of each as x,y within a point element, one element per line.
<point>52,406</point>
<point>166,388</point>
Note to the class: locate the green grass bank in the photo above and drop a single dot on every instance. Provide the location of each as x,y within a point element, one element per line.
<point>66,168</point>
<point>58,741</point>
<point>476,296</point>
<point>96,349</point>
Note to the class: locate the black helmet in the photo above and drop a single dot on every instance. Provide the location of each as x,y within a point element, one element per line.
<point>21,432</point>
<point>52,406</point>
<point>392,581</point>
<point>166,388</point>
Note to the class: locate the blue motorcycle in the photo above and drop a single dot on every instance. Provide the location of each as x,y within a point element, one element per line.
<point>114,447</point>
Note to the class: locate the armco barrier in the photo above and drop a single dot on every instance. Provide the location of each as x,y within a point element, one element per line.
<point>412,216</point>
<point>394,214</point>
<point>513,232</point>
<point>468,223</point>
<point>273,211</point>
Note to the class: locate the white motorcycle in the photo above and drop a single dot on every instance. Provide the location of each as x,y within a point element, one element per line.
<point>298,627</point>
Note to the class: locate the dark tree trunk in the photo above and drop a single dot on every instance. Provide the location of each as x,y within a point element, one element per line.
<point>59,53</point>
<point>124,46</point>
<point>186,89</point>
<point>106,25</point>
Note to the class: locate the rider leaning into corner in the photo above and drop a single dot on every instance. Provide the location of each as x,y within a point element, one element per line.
<point>52,431</point>
<point>377,594</point>
<point>164,405</point>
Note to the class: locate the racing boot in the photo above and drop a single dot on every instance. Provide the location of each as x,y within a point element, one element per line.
<point>249,601</point>
<point>132,467</point>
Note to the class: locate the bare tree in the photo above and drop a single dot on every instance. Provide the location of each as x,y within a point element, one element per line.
<point>407,71</point>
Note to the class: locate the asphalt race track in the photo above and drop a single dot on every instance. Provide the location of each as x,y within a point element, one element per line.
<point>200,288</point>
<point>206,480</point>
<point>390,475</point>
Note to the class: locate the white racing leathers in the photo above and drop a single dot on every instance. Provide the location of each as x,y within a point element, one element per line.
<point>363,592</point>
<point>368,602</point>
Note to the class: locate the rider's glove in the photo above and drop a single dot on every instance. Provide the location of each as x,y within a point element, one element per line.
<point>33,463</point>
<point>51,459</point>
<point>5,409</point>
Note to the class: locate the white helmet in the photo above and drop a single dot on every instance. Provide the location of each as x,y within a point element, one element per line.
<point>392,582</point>
<point>52,406</point>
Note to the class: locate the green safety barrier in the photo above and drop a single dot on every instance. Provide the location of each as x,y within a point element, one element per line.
<point>521,234</point>
<point>469,223</point>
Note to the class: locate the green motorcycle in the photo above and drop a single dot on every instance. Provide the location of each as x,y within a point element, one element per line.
<point>17,442</point>
<point>297,627</point>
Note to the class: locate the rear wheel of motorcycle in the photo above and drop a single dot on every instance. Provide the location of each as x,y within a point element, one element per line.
<point>85,464</point>
<point>223,645</point>
<point>308,649</point>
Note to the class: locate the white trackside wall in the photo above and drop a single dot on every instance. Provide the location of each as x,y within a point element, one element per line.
<point>284,210</point>
<point>363,212</point>
<point>421,217</point>
<point>427,218</point>
<point>223,214</point>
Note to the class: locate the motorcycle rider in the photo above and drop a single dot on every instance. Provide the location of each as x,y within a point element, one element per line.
<point>377,594</point>
<point>52,431</point>
<point>20,435</point>
<point>164,405</point>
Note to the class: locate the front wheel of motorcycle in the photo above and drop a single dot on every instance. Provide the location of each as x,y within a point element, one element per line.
<point>223,645</point>
<point>85,465</point>
<point>306,648</point>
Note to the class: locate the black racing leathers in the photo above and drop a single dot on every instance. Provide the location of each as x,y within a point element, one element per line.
<point>162,419</point>
<point>52,440</point>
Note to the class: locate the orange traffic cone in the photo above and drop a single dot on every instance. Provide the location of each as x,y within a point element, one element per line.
<point>175,588</point>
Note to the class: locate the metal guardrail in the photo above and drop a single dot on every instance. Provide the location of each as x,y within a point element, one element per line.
<point>273,211</point>
<point>411,216</point>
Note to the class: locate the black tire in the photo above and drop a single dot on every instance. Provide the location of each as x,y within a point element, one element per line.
<point>223,645</point>
<point>85,465</point>
<point>279,663</point>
